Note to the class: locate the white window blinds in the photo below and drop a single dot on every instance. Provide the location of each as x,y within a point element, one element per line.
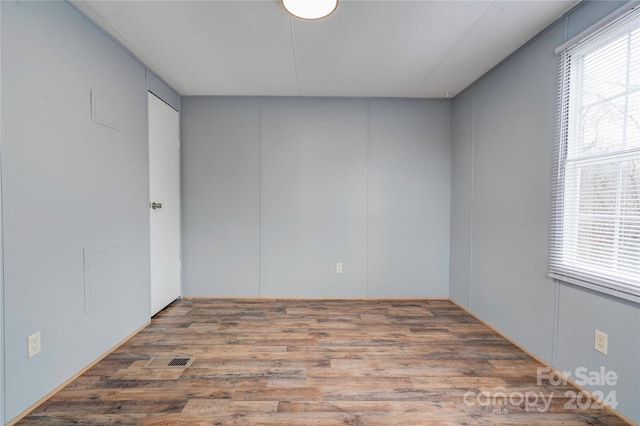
<point>595,228</point>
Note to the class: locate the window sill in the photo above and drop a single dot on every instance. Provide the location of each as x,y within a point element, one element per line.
<point>615,292</point>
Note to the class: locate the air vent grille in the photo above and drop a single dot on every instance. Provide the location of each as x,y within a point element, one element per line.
<point>169,362</point>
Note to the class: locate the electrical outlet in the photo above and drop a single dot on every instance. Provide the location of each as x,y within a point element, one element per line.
<point>338,268</point>
<point>601,342</point>
<point>33,345</point>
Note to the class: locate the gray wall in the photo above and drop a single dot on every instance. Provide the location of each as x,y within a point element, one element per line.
<point>277,191</point>
<point>503,134</point>
<point>409,198</point>
<point>313,191</point>
<point>74,197</point>
<point>220,197</point>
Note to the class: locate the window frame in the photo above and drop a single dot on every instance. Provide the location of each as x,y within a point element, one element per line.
<point>565,209</point>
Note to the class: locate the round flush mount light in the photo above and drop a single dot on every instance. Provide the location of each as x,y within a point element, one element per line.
<point>310,9</point>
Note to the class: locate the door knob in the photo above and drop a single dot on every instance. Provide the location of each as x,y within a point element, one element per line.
<point>155,205</point>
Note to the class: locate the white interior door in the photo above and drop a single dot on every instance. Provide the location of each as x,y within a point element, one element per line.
<point>164,203</point>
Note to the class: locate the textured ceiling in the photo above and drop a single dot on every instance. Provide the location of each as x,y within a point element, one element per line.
<point>366,48</point>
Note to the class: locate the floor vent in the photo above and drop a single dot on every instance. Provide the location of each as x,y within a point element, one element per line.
<point>169,362</point>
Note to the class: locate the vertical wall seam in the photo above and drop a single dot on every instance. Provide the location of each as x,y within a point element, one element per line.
<point>260,199</point>
<point>3,408</point>
<point>471,191</point>
<point>556,322</point>
<point>451,196</point>
<point>180,199</point>
<point>368,292</point>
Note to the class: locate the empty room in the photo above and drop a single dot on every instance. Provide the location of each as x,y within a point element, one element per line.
<point>285,212</point>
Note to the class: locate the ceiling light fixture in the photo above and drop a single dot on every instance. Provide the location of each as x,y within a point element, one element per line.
<point>310,9</point>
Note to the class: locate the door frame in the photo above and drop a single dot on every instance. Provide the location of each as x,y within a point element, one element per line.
<point>175,106</point>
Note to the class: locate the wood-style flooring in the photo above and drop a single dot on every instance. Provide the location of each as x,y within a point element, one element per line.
<point>317,362</point>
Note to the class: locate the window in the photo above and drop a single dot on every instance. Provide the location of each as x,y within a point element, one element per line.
<point>595,229</point>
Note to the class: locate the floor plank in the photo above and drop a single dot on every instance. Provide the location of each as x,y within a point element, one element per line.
<point>316,362</point>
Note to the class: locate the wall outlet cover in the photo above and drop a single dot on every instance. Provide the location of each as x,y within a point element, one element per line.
<point>33,345</point>
<point>601,343</point>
